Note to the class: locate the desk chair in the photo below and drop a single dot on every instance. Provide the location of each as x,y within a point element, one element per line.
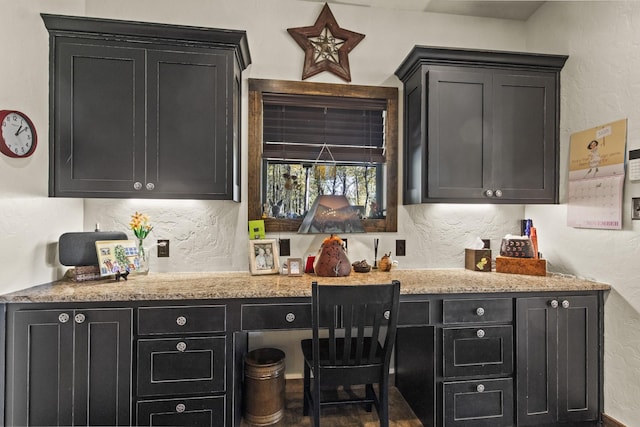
<point>361,323</point>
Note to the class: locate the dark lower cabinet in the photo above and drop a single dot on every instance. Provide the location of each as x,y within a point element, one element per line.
<point>69,367</point>
<point>558,358</point>
<point>478,403</point>
<point>194,412</point>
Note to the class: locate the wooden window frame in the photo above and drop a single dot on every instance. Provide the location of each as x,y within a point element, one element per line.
<point>259,86</point>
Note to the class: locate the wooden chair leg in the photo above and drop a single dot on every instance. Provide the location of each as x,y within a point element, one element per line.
<point>383,405</point>
<point>369,394</point>
<point>315,404</point>
<point>306,390</point>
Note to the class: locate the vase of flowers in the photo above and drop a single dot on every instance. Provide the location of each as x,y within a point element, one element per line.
<point>141,228</point>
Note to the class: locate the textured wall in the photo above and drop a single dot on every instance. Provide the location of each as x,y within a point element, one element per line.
<point>600,84</point>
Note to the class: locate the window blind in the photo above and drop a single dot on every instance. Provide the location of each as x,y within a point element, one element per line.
<point>302,127</point>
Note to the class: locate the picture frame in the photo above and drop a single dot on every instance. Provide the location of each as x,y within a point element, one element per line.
<point>295,266</point>
<point>263,256</point>
<point>117,256</point>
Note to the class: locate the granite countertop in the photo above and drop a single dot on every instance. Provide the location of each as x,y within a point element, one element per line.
<point>213,285</point>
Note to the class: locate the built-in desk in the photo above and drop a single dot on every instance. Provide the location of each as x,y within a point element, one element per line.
<point>473,348</point>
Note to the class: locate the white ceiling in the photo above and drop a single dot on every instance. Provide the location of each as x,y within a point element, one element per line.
<point>518,10</point>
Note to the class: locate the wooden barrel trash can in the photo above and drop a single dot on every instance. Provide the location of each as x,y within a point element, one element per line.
<point>264,386</point>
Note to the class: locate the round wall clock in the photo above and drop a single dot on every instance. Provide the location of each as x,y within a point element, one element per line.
<point>18,137</point>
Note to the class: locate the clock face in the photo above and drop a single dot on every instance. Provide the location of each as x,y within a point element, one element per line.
<point>18,135</point>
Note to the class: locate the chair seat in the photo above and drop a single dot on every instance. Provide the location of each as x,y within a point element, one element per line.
<point>307,351</point>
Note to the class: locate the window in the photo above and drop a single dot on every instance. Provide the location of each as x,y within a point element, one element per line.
<point>307,139</point>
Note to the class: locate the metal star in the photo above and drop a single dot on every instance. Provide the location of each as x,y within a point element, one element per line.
<point>326,46</point>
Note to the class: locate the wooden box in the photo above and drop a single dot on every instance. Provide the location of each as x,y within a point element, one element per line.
<point>477,259</point>
<point>528,266</point>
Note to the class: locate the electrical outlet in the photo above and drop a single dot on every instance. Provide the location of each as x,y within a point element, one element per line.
<point>163,248</point>
<point>400,248</point>
<point>635,208</point>
<point>285,247</point>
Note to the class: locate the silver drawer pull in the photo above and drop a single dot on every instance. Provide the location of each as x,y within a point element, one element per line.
<point>79,318</point>
<point>387,314</point>
<point>480,311</point>
<point>63,317</point>
<point>180,407</point>
<point>181,320</point>
<point>480,333</point>
<point>290,317</point>
<point>554,303</point>
<point>181,346</point>
<point>137,185</point>
<point>480,388</point>
<point>488,193</point>
<point>150,186</point>
<point>565,304</point>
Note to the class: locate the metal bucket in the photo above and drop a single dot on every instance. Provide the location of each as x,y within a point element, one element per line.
<point>264,386</point>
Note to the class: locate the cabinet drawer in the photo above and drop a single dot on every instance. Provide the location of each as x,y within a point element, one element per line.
<point>477,351</point>
<point>272,316</point>
<point>486,403</point>
<point>414,313</point>
<point>477,310</point>
<point>180,366</point>
<point>181,320</point>
<point>204,411</point>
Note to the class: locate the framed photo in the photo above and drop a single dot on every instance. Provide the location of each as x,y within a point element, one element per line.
<point>117,256</point>
<point>295,266</point>
<point>263,256</point>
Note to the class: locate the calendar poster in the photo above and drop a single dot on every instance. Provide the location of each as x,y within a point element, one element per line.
<point>596,176</point>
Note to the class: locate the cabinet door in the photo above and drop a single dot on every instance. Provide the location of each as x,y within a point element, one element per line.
<point>98,119</point>
<point>190,124</point>
<point>103,359</point>
<point>524,134</point>
<point>459,133</point>
<point>40,368</point>
<point>578,358</point>
<point>195,412</point>
<point>536,361</point>
<point>181,366</point>
<point>558,359</point>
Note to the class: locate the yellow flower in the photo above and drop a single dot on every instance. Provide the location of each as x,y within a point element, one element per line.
<point>140,225</point>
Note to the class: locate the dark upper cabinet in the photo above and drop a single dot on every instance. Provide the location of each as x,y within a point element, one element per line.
<point>69,367</point>
<point>144,110</point>
<point>480,126</point>
<point>557,353</point>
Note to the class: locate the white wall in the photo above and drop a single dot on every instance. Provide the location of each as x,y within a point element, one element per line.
<point>600,84</point>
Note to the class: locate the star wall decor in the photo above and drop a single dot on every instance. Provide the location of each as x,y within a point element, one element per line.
<point>326,46</point>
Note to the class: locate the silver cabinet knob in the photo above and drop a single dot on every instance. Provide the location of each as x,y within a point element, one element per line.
<point>137,185</point>
<point>181,320</point>
<point>63,317</point>
<point>498,193</point>
<point>79,318</point>
<point>480,333</point>
<point>180,407</point>
<point>480,311</point>
<point>290,317</point>
<point>565,304</point>
<point>150,186</point>
<point>480,388</point>
<point>181,346</point>
<point>554,303</point>
<point>387,314</point>
<point>488,193</point>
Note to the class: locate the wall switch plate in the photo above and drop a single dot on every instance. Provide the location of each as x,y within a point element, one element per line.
<point>163,248</point>
<point>401,248</point>
<point>635,208</point>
